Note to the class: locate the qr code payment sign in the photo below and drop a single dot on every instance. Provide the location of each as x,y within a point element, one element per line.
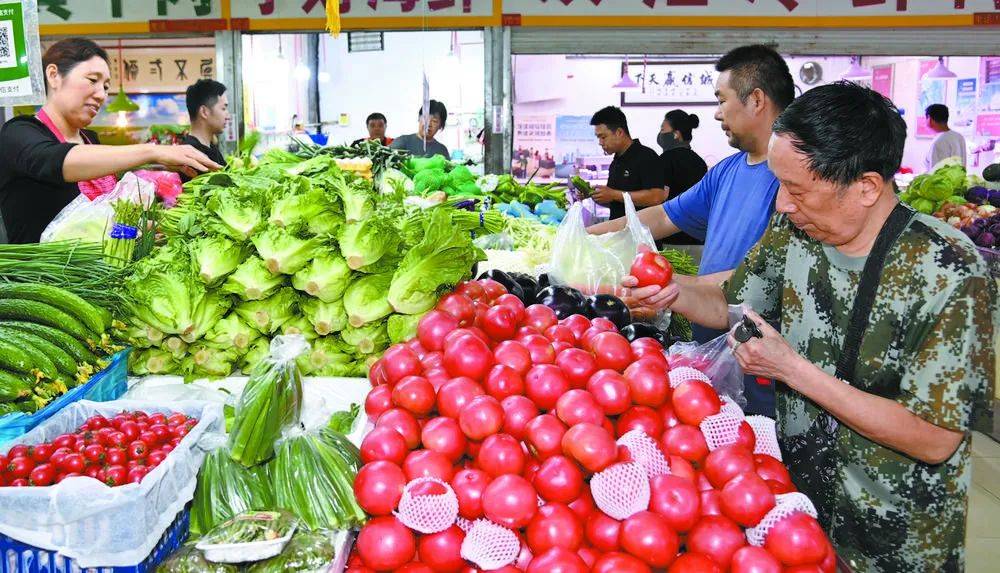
<point>8,59</point>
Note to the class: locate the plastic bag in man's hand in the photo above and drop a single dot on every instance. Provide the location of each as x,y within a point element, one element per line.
<point>716,360</point>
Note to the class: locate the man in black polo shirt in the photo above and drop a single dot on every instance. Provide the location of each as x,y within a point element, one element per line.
<point>208,108</point>
<point>636,169</point>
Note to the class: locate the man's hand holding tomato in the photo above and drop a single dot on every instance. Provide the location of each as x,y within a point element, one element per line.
<point>651,285</point>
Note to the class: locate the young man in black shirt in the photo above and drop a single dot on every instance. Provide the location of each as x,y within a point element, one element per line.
<point>208,108</point>
<point>636,169</point>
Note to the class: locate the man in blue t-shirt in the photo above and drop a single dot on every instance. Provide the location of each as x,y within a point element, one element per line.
<point>730,207</point>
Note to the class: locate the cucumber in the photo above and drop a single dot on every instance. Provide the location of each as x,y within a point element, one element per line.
<point>13,358</point>
<point>13,387</point>
<point>67,342</point>
<point>62,360</point>
<point>34,311</point>
<point>39,359</point>
<point>62,299</point>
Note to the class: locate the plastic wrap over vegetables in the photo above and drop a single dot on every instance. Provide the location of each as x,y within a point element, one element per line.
<point>226,489</point>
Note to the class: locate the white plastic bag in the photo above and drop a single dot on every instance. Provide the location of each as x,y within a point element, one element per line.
<point>595,264</point>
<point>90,220</point>
<point>97,525</point>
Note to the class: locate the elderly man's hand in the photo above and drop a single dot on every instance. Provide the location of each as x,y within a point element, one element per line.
<point>605,195</point>
<point>768,357</point>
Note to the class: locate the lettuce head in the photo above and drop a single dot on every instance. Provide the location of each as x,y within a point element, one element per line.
<point>367,339</point>
<point>402,327</point>
<point>208,361</point>
<point>232,331</point>
<point>326,317</point>
<point>364,243</point>
<point>238,213</point>
<point>357,198</point>
<point>216,257</point>
<point>325,277</point>
<point>284,252</point>
<point>150,361</point>
<point>366,299</point>
<point>269,314</point>
<point>259,350</point>
<point>252,280</point>
<point>164,292</point>
<point>209,310</point>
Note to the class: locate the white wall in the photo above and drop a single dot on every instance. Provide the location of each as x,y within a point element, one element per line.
<point>273,93</point>
<point>390,82</point>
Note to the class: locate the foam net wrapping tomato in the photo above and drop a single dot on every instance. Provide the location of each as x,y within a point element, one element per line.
<point>507,438</point>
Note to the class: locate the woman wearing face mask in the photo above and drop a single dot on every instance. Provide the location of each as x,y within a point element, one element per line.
<point>682,166</point>
<point>46,160</point>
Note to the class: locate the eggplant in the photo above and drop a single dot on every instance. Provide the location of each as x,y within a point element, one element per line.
<point>543,281</point>
<point>564,300</point>
<point>637,330</point>
<point>503,278</point>
<point>528,284</point>
<point>609,307</point>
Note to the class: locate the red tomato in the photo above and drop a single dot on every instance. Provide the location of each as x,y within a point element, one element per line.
<point>427,463</point>
<point>577,365</point>
<point>72,463</point>
<point>615,562</point>
<point>579,406</point>
<point>648,383</point>
<point>560,333</point>
<point>492,290</point>
<point>414,345</point>
<point>414,394</point>
<point>161,431</point>
<point>687,442</point>
<point>545,435</point>
<point>500,323</point>
<point>481,417</point>
<point>745,437</point>
<point>131,430</point>
<point>577,323</point>
<point>136,474</point>
<point>95,453</point>
<point>20,482</point>
<point>442,551</point>
<point>510,501</point>
<point>404,423</point>
<point>513,354</point>
<point>540,349</point>
<point>384,444</point>
<point>434,326</point>
<point>676,500</point>
<point>584,505</point>
<point>398,362</point>
<point>155,458</point>
<point>557,560</point>
<point>558,480</point>
<point>512,302</point>
<point>642,418</point>
<point>517,412</point>
<point>472,289</point>
<point>115,475</point>
<point>651,269</point>
<point>468,485</point>
<point>746,499</point>
<point>378,487</point>
<point>647,347</point>
<point>63,441</point>
<point>647,536</point>
<point>501,454</point>
<point>41,453</point>
<point>694,563</point>
<point>771,469</point>
<point>42,475</point>
<point>752,559</point>
<point>432,360</point>
<point>797,540</point>
<point>544,384</point>
<point>525,332</point>
<point>611,391</point>
<point>468,356</point>
<point>459,307</point>
<point>603,531</point>
<point>376,376</point>
<point>385,544</point>
<point>682,468</point>
<point>612,351</point>
<point>98,422</point>
<point>540,317</point>
<point>379,400</point>
<point>503,381</point>
<point>591,446</point>
<point>604,324</point>
<point>711,502</point>
<point>455,394</point>
<point>725,463</point>
<point>555,525</point>
<point>443,435</point>
<point>693,401</point>
<point>668,416</point>
<point>717,537</point>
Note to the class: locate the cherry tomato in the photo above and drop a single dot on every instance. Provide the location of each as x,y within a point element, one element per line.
<point>603,531</point>
<point>414,394</point>
<point>158,418</point>
<point>130,430</point>
<point>540,317</point>
<point>555,525</point>
<point>725,463</point>
<point>455,394</point>
<point>545,384</point>
<point>115,457</point>
<point>378,487</point>
<point>42,475</point>
<point>717,537</point>
<point>19,482</point>
<point>427,463</point>
<point>510,501</point>
<point>578,406</point>
<point>176,419</point>
<point>115,475</point>
<point>545,435</point>
<point>61,477</point>
<point>752,559</point>
<point>92,471</point>
<point>647,536</point>
<point>650,269</point>
<point>468,356</point>
<point>616,562</point>
<point>41,453</point>
<point>558,480</point>
<point>65,441</point>
<point>611,391</point>
<point>138,450</point>
<point>481,417</point>
<point>576,364</point>
<point>797,540</point>
<point>384,444</point>
<point>676,500</point>
<point>155,458</point>
<point>591,446</point>
<point>514,355</point>
<point>687,442</point>
<point>557,560</point>
<point>693,401</point>
<point>442,551</point>
<point>746,499</point>
<point>517,412</point>
<point>612,351</point>
<point>468,485</point>
<point>501,454</point>
<point>136,474</point>
<point>640,418</point>
<point>385,544</point>
<point>98,422</point>
<point>694,563</point>
<point>161,431</point>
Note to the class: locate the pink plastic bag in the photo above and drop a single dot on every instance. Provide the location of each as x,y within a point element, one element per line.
<point>168,185</point>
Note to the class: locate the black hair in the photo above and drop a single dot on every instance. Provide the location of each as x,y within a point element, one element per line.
<point>682,122</point>
<point>938,112</point>
<point>758,67</point>
<point>436,108</point>
<point>845,130</point>
<point>375,117</point>
<point>203,92</point>
<point>71,52</point>
<point>611,116</point>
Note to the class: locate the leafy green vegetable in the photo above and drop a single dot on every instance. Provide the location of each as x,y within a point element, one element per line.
<point>402,327</point>
<point>283,252</point>
<point>326,277</point>
<point>269,314</point>
<point>368,339</point>
<point>357,197</point>
<point>299,208</point>
<point>365,300</point>
<point>326,317</point>
<point>232,331</point>
<point>225,489</point>
<point>343,421</point>
<point>207,361</point>
<point>163,292</point>
<point>307,551</point>
<point>299,325</point>
<point>252,280</point>
<point>151,361</point>
<point>238,211</point>
<point>365,242</point>
<point>216,257</point>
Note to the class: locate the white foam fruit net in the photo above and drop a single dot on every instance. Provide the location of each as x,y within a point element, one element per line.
<point>645,452</point>
<point>683,374</point>
<point>767,437</point>
<point>463,524</point>
<point>785,505</point>
<point>731,407</point>
<point>622,490</point>
<point>490,546</point>
<point>721,429</point>
<point>428,513</point>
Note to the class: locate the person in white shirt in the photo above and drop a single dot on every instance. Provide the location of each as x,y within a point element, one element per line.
<point>948,143</point>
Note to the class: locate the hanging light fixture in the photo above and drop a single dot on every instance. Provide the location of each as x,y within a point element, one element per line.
<point>122,105</point>
<point>856,72</point>
<point>940,71</point>
<point>626,83</point>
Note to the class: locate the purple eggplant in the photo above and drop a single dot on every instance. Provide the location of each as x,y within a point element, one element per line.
<point>609,307</point>
<point>564,300</point>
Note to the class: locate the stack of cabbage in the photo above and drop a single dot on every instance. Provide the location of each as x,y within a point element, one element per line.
<point>291,246</point>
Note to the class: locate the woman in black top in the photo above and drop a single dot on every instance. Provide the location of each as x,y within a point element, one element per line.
<point>682,166</point>
<point>47,159</point>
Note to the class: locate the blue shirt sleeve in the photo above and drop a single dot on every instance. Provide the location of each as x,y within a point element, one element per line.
<point>689,210</point>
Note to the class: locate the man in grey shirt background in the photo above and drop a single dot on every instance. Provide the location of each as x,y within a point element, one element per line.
<point>422,143</point>
<point>948,143</point>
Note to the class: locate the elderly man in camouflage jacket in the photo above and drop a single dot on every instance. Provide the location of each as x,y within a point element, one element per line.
<point>884,450</point>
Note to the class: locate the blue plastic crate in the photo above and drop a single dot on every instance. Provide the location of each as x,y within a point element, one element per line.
<point>104,386</point>
<point>19,557</point>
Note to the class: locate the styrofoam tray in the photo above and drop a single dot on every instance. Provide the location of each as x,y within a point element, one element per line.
<point>242,552</point>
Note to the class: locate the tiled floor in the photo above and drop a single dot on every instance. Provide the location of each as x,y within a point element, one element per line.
<point>983,538</point>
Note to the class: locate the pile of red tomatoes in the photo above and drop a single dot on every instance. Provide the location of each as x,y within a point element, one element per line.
<point>516,410</point>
